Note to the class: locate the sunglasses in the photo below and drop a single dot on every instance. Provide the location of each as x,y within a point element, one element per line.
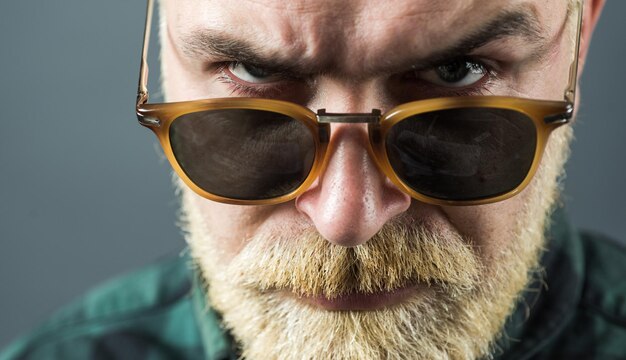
<point>466,150</point>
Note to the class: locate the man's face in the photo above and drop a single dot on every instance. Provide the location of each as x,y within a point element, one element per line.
<point>354,267</point>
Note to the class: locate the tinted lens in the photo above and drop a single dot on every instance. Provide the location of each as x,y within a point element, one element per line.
<point>463,154</point>
<point>243,154</point>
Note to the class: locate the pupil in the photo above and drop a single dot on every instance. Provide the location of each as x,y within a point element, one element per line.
<point>454,71</point>
<point>255,71</point>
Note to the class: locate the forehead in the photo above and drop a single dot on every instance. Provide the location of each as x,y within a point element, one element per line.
<point>344,31</point>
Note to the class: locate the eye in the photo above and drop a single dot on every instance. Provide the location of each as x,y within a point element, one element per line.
<point>456,73</point>
<point>252,74</point>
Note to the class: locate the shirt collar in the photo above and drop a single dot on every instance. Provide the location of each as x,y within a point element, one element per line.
<point>547,307</point>
<point>218,344</point>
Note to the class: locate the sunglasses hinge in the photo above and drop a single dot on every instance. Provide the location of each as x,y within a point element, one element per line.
<point>560,118</point>
<point>349,118</point>
<point>148,121</point>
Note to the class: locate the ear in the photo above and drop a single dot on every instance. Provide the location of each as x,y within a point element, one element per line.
<point>591,14</point>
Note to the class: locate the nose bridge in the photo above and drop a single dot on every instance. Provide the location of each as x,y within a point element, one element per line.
<point>339,95</point>
<point>352,199</point>
<point>351,122</point>
<point>356,105</point>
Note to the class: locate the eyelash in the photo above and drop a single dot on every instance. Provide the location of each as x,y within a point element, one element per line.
<point>481,87</point>
<point>241,89</point>
<point>237,88</point>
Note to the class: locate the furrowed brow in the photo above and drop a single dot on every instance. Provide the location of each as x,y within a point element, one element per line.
<point>516,23</point>
<point>217,44</point>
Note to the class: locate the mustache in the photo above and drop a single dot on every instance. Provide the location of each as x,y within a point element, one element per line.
<point>398,255</point>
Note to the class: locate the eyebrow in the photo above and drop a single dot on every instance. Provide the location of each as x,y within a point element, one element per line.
<point>508,23</point>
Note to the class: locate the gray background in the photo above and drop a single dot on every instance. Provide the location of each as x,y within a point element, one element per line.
<point>84,194</point>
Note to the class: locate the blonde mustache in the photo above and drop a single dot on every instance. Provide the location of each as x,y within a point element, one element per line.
<point>396,257</point>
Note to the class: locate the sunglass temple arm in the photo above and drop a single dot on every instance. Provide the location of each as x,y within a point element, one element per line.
<point>570,91</point>
<point>142,92</point>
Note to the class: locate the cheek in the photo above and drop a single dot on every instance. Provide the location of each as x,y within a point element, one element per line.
<point>229,227</point>
<point>491,227</point>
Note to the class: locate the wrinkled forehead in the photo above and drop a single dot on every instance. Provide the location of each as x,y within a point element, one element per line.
<point>350,32</point>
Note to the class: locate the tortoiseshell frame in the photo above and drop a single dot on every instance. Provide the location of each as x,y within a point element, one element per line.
<point>547,116</point>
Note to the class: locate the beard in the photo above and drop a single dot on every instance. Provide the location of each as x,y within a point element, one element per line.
<point>458,310</point>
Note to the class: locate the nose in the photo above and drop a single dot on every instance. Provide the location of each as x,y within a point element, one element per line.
<point>352,199</point>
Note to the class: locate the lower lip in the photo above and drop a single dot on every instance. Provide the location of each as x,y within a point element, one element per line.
<point>361,301</point>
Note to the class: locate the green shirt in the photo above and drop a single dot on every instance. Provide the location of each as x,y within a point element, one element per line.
<point>159,312</point>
